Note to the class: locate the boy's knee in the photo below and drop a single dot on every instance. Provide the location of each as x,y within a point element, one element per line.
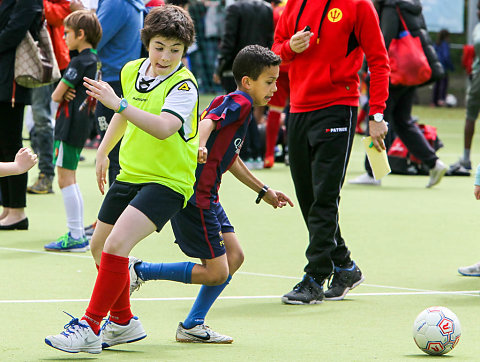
<point>217,278</point>
<point>96,248</point>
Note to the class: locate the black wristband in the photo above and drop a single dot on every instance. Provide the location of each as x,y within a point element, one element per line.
<point>261,194</point>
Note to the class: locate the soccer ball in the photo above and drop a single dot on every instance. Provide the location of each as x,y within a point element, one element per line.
<point>436,330</point>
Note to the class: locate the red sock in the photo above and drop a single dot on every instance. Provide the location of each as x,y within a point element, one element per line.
<point>111,279</point>
<point>120,312</point>
<point>271,136</point>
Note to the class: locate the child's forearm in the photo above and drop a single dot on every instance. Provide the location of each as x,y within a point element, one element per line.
<point>115,132</point>
<point>205,128</point>
<point>243,174</point>
<point>161,127</point>
<point>8,169</point>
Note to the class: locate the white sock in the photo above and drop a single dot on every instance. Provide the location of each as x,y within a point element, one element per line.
<point>74,209</point>
<point>79,195</point>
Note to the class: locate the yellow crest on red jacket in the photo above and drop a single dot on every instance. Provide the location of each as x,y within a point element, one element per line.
<point>335,15</point>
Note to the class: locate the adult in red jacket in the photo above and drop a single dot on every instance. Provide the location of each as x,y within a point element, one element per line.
<point>41,134</point>
<point>325,42</point>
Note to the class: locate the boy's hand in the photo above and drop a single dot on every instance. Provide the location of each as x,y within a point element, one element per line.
<point>69,94</point>
<point>25,159</point>
<point>76,5</point>
<point>277,199</point>
<point>103,92</point>
<point>476,192</point>
<point>101,167</point>
<point>202,154</point>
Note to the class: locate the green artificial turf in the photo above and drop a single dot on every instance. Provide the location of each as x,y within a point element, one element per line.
<point>408,241</point>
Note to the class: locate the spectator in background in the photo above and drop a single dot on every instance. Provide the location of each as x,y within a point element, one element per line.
<point>214,24</point>
<point>41,135</point>
<point>473,103</point>
<point>16,18</point>
<point>473,270</point>
<point>121,21</point>
<point>440,88</point>
<point>278,102</point>
<point>400,99</point>
<point>247,22</point>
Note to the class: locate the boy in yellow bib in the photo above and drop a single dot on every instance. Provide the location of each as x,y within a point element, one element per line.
<point>157,118</point>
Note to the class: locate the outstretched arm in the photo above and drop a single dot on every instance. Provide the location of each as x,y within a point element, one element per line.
<point>25,159</point>
<point>272,197</point>
<point>160,126</point>
<point>114,133</point>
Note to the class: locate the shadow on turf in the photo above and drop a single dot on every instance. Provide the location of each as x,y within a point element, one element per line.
<point>424,355</point>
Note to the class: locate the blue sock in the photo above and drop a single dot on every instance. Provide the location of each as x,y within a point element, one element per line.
<point>179,272</point>
<point>205,299</point>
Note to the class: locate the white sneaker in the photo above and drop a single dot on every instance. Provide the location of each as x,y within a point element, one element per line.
<point>200,334</point>
<point>113,333</point>
<point>78,336</point>
<point>436,173</point>
<point>365,179</point>
<point>135,280</point>
<point>470,271</point>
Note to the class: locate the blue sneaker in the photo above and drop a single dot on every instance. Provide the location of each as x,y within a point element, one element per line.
<point>68,243</point>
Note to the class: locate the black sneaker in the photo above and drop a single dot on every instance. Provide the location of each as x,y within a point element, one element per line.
<point>343,280</point>
<point>308,291</point>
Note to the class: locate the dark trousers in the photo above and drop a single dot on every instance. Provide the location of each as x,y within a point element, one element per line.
<point>12,188</point>
<point>103,116</point>
<point>440,90</point>
<point>319,144</point>
<point>399,115</point>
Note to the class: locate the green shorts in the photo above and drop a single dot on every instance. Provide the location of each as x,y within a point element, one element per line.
<point>65,155</point>
<point>473,98</point>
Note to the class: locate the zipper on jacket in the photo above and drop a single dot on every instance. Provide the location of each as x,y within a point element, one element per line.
<point>302,7</point>
<point>325,11</point>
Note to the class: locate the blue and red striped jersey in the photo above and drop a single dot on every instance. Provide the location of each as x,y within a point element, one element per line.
<point>232,113</point>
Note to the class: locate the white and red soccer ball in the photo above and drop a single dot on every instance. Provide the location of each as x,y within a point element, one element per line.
<point>436,330</point>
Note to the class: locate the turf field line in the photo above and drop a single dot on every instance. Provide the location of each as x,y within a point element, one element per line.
<point>363,284</point>
<point>239,272</point>
<point>473,293</point>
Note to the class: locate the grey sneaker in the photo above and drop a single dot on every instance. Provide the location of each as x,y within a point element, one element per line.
<point>470,271</point>
<point>113,333</point>
<point>135,280</point>
<point>308,291</point>
<point>464,163</point>
<point>200,334</point>
<point>43,185</point>
<point>365,179</point>
<point>343,281</point>
<point>436,173</point>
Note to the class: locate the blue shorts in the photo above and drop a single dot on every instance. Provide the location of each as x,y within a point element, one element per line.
<point>159,203</point>
<point>198,232</point>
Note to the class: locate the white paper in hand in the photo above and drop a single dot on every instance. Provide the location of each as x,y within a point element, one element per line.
<point>378,160</point>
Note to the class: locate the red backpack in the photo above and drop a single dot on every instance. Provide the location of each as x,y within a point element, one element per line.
<point>404,163</point>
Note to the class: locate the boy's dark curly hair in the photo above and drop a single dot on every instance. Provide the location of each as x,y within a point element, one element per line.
<point>252,60</point>
<point>169,21</point>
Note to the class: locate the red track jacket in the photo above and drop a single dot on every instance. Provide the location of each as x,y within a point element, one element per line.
<point>326,73</point>
<point>55,12</point>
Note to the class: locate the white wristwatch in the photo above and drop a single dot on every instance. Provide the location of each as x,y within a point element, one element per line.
<point>377,117</point>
